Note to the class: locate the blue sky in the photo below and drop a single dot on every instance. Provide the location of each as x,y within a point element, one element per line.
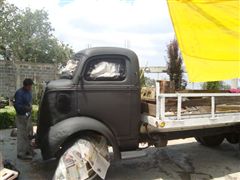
<point>144,25</point>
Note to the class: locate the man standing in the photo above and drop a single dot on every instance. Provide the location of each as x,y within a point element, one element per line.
<point>23,107</point>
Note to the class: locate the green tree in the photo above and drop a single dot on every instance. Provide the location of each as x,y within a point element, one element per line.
<point>215,85</point>
<point>28,36</point>
<point>149,82</point>
<point>9,18</point>
<point>174,65</point>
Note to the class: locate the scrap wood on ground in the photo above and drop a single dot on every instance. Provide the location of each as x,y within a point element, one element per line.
<point>6,174</point>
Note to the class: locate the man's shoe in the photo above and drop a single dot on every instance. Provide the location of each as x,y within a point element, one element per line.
<point>26,157</point>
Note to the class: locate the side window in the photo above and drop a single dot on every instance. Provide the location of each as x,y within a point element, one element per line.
<point>106,70</point>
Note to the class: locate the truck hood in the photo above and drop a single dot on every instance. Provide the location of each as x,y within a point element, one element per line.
<point>60,83</point>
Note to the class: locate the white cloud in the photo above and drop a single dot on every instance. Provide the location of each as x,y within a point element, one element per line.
<point>145,24</point>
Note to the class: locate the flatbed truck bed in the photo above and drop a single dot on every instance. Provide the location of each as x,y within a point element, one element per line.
<point>182,122</point>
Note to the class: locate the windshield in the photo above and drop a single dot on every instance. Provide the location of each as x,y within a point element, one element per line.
<point>67,71</point>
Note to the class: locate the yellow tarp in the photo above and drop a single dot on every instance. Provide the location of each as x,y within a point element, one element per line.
<point>208,32</point>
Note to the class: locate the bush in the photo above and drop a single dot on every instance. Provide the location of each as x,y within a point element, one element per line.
<point>7,120</point>
<point>3,102</point>
<point>8,114</point>
<point>215,85</point>
<point>34,113</point>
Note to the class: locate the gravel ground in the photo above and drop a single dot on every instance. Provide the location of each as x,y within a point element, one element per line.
<point>182,159</point>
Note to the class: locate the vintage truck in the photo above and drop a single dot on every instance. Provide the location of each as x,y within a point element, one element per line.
<point>102,98</point>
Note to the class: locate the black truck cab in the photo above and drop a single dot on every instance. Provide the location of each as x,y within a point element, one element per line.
<point>102,96</point>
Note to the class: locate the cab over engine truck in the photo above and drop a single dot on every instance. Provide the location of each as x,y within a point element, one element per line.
<point>102,97</point>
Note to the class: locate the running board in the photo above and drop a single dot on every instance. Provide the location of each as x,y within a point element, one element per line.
<point>133,154</point>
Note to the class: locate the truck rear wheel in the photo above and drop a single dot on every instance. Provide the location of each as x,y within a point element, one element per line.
<point>210,141</point>
<point>233,138</point>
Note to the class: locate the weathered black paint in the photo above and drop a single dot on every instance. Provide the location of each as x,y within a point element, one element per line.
<point>59,132</point>
<point>111,108</point>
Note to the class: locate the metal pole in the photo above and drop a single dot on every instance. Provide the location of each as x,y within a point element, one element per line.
<point>234,84</point>
<point>162,107</point>
<point>179,107</point>
<point>157,100</point>
<point>213,107</point>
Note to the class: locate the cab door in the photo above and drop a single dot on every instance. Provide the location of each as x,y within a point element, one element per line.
<point>106,94</point>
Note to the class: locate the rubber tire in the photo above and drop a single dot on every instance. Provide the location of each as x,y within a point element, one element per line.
<point>210,141</point>
<point>68,145</point>
<point>198,140</point>
<point>232,138</point>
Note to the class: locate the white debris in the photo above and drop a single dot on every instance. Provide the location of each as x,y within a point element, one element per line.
<point>70,67</point>
<point>82,159</point>
<point>105,69</point>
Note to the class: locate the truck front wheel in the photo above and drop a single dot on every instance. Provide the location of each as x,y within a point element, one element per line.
<point>210,141</point>
<point>86,158</point>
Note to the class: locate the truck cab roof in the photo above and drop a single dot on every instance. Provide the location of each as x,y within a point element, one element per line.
<point>96,51</point>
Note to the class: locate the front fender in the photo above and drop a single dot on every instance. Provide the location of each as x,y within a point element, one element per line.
<point>64,129</point>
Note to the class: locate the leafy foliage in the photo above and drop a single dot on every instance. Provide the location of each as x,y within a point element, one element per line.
<point>149,82</point>
<point>146,81</point>
<point>37,92</point>
<point>215,85</point>
<point>27,35</point>
<point>174,65</point>
<point>8,114</point>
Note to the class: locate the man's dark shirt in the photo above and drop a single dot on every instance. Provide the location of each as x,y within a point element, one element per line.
<point>23,99</point>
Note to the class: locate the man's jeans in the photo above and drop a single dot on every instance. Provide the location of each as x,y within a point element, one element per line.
<point>24,132</point>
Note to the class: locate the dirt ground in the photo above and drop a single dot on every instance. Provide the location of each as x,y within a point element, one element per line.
<point>181,160</point>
